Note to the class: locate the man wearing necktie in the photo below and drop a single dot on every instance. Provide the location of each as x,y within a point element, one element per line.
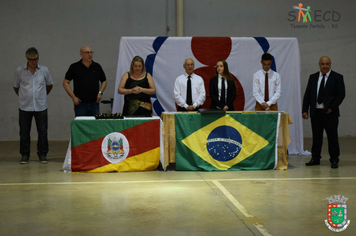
<point>324,94</point>
<point>266,86</point>
<point>189,90</point>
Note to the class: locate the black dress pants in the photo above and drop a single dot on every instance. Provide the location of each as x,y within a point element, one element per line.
<point>329,123</point>
<point>25,122</point>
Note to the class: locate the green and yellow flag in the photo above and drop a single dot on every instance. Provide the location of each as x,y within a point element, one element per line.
<point>226,142</point>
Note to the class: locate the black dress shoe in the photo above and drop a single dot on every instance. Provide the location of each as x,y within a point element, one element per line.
<point>313,162</point>
<point>24,159</point>
<point>43,159</point>
<point>334,165</point>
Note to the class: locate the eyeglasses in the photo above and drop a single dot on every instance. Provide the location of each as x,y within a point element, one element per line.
<point>32,59</point>
<point>89,52</point>
<point>189,64</point>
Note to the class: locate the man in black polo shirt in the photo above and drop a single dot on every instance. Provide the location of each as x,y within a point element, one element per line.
<point>86,75</point>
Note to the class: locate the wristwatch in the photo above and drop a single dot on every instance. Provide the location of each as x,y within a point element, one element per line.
<point>101,92</point>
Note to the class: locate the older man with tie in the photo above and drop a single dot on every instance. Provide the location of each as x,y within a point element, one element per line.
<point>324,94</point>
<point>189,90</point>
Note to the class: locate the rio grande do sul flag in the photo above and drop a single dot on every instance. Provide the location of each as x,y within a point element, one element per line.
<point>232,141</point>
<point>114,145</point>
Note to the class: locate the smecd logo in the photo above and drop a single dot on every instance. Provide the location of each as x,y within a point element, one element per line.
<point>306,16</point>
<point>301,15</point>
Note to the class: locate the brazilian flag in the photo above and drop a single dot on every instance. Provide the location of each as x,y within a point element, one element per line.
<point>235,141</point>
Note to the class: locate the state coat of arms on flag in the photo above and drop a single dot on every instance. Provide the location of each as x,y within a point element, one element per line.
<point>115,145</point>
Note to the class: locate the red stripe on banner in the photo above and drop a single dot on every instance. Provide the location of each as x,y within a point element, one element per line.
<point>88,156</point>
<point>142,138</point>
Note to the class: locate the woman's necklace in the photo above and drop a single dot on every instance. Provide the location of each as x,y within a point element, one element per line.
<point>136,77</point>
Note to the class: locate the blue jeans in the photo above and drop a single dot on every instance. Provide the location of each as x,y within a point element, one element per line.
<point>86,109</point>
<point>25,122</point>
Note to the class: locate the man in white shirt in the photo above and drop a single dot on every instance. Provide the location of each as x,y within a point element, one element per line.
<point>266,86</point>
<point>32,83</point>
<point>184,100</point>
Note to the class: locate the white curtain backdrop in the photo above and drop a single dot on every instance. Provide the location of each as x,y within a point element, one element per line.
<point>164,57</point>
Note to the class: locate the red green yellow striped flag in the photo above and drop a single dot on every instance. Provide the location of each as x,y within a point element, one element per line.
<point>115,145</point>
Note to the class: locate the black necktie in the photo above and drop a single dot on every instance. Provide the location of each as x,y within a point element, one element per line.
<point>189,91</point>
<point>321,90</point>
<point>222,98</point>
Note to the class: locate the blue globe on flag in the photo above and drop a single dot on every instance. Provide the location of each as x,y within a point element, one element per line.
<point>224,143</point>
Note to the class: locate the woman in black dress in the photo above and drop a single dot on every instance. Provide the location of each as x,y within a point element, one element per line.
<point>137,85</point>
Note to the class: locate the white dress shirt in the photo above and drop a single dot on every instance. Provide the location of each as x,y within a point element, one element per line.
<point>198,90</point>
<point>32,87</point>
<point>274,86</point>
<point>321,106</point>
<point>219,87</point>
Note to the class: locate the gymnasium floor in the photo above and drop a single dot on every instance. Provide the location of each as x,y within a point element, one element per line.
<point>40,199</point>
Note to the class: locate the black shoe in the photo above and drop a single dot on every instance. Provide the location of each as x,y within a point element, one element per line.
<point>43,159</point>
<point>24,159</point>
<point>334,165</point>
<point>313,162</point>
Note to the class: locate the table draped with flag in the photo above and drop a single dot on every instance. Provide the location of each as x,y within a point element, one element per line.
<point>194,141</point>
<point>131,144</point>
<point>231,141</point>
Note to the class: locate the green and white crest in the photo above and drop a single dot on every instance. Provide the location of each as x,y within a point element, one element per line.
<point>337,214</point>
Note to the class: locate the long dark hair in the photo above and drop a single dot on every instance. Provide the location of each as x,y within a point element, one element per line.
<point>226,73</point>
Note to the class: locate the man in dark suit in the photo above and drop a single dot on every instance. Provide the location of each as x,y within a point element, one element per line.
<point>324,93</point>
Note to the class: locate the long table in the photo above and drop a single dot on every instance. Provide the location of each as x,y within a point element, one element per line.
<point>168,142</point>
<point>130,144</point>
